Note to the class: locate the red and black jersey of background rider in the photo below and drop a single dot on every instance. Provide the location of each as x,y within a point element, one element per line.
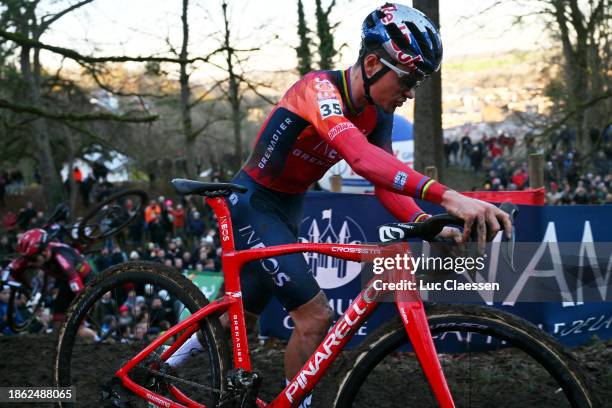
<point>65,263</point>
<point>296,146</point>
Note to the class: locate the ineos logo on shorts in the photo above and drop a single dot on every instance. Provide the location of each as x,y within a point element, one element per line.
<point>270,265</point>
<point>332,272</point>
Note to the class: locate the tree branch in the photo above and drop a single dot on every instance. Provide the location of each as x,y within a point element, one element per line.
<point>73,117</point>
<point>207,124</point>
<point>68,53</point>
<point>256,92</point>
<point>329,9</point>
<point>579,109</point>
<point>98,81</point>
<point>206,93</point>
<point>595,15</point>
<point>577,19</point>
<point>46,23</point>
<point>96,138</point>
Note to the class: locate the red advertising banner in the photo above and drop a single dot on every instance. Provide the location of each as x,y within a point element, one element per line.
<point>527,197</point>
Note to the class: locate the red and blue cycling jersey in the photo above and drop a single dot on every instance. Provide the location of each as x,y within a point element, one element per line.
<point>315,125</point>
<point>66,263</point>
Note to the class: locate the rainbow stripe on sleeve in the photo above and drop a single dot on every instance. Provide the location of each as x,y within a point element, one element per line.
<point>421,188</point>
<point>419,216</point>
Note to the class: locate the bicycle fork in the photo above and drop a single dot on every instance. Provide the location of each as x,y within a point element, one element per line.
<point>415,322</point>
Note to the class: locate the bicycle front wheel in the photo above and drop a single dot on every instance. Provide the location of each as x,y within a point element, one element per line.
<point>26,303</point>
<point>490,358</point>
<point>119,314</point>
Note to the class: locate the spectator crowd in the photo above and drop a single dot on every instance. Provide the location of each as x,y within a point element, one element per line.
<point>164,233</point>
<point>565,182</point>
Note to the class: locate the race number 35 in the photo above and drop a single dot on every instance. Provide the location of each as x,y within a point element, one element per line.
<point>330,107</point>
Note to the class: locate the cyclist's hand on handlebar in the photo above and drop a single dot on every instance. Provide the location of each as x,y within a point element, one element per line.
<point>448,242</point>
<point>451,234</point>
<point>482,220</point>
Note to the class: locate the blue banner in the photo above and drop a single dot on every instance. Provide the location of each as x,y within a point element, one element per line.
<point>354,218</point>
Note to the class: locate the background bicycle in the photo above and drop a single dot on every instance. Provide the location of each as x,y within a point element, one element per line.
<point>50,266</point>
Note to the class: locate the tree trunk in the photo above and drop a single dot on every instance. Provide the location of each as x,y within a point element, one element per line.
<point>303,50</point>
<point>327,50</point>
<point>189,137</point>
<point>234,96</point>
<point>51,184</point>
<point>575,68</point>
<point>428,142</point>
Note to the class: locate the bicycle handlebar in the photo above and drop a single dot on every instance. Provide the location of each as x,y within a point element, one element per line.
<point>430,228</point>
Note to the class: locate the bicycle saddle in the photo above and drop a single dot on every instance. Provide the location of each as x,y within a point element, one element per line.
<point>186,187</point>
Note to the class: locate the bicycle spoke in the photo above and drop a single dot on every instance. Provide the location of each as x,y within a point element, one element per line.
<point>126,325</point>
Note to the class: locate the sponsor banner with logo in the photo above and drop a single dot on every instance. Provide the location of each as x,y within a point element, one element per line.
<point>208,282</point>
<point>354,219</point>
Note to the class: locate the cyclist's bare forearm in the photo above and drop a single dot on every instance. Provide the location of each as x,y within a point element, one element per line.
<point>402,207</point>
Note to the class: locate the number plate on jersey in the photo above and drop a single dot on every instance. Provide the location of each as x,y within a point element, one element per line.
<point>330,107</point>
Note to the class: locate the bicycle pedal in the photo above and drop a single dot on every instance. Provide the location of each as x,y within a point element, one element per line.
<point>113,399</point>
<point>109,395</point>
<point>244,387</point>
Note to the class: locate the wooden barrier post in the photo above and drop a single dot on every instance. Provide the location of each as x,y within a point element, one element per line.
<point>536,170</point>
<point>431,172</point>
<point>335,182</point>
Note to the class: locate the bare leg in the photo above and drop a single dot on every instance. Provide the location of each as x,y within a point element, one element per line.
<point>311,320</point>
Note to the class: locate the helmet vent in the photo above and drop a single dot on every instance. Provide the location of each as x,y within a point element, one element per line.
<point>420,39</point>
<point>434,43</point>
<point>397,37</point>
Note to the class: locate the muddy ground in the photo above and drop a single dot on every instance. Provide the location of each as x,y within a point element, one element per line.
<point>28,361</point>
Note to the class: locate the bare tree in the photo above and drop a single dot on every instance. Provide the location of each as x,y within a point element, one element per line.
<point>580,30</point>
<point>327,51</point>
<point>24,28</point>
<point>583,31</point>
<point>303,50</point>
<point>233,93</point>
<point>237,85</point>
<point>428,142</point>
<point>25,21</point>
<point>191,134</point>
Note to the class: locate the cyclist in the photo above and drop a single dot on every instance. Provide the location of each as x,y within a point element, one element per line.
<point>323,118</point>
<point>63,262</point>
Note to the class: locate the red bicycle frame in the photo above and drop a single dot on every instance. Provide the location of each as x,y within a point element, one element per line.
<point>411,311</point>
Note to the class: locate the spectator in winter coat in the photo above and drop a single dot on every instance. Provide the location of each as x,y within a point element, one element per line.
<point>196,225</point>
<point>178,215</point>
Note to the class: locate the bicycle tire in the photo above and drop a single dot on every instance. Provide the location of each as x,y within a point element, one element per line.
<point>115,278</point>
<point>540,346</point>
<point>86,237</point>
<point>22,326</point>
